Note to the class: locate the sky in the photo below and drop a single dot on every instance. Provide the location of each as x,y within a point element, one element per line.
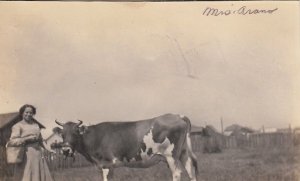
<point>131,61</point>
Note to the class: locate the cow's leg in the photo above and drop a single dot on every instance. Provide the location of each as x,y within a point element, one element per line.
<point>189,164</point>
<point>105,172</point>
<point>110,173</point>
<point>189,159</point>
<point>174,165</point>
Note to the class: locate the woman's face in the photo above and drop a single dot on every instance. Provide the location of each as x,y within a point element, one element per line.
<point>28,114</point>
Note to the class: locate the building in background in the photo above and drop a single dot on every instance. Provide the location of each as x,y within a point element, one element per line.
<point>53,141</point>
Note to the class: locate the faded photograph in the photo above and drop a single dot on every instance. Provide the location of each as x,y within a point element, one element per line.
<point>137,91</point>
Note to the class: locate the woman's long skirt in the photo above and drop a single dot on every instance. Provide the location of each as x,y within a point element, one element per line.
<point>34,167</point>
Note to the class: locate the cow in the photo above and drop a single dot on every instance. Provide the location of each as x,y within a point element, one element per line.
<point>135,144</point>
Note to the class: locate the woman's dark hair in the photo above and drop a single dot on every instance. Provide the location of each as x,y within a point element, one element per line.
<point>22,109</point>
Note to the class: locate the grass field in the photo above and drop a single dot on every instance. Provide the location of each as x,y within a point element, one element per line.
<point>230,165</point>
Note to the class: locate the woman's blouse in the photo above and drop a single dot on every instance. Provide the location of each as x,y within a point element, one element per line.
<point>23,129</point>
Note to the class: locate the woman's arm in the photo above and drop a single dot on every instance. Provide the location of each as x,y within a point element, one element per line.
<point>41,141</point>
<point>15,137</point>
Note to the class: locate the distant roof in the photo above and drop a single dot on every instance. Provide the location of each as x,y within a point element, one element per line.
<point>49,137</point>
<point>196,129</point>
<point>12,118</point>
<point>236,127</point>
<point>5,119</point>
<point>284,130</point>
<point>52,135</point>
<point>233,127</point>
<point>212,128</point>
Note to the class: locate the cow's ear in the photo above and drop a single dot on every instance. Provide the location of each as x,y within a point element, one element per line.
<point>83,129</point>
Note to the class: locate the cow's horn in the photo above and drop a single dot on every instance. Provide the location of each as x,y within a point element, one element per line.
<point>80,122</point>
<point>58,123</point>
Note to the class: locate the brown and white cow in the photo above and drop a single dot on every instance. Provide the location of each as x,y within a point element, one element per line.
<point>138,144</point>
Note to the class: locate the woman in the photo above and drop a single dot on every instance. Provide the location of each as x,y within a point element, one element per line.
<point>27,133</point>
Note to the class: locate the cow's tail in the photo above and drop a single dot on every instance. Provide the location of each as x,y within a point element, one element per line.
<point>188,137</point>
<point>189,144</point>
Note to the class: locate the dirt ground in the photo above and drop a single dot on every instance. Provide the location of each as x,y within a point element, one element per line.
<point>230,165</point>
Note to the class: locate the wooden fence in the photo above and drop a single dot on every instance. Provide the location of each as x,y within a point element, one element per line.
<point>207,144</point>
<point>261,140</point>
<point>268,140</point>
<point>59,162</point>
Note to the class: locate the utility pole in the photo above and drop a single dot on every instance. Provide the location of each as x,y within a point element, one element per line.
<point>222,131</point>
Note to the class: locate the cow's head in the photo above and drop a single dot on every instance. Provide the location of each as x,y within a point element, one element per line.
<point>71,133</point>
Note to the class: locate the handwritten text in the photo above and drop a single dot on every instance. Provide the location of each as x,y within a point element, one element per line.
<point>209,11</point>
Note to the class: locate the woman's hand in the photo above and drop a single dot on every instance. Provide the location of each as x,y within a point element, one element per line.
<point>51,151</point>
<point>22,141</point>
<point>16,142</point>
<point>31,138</point>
